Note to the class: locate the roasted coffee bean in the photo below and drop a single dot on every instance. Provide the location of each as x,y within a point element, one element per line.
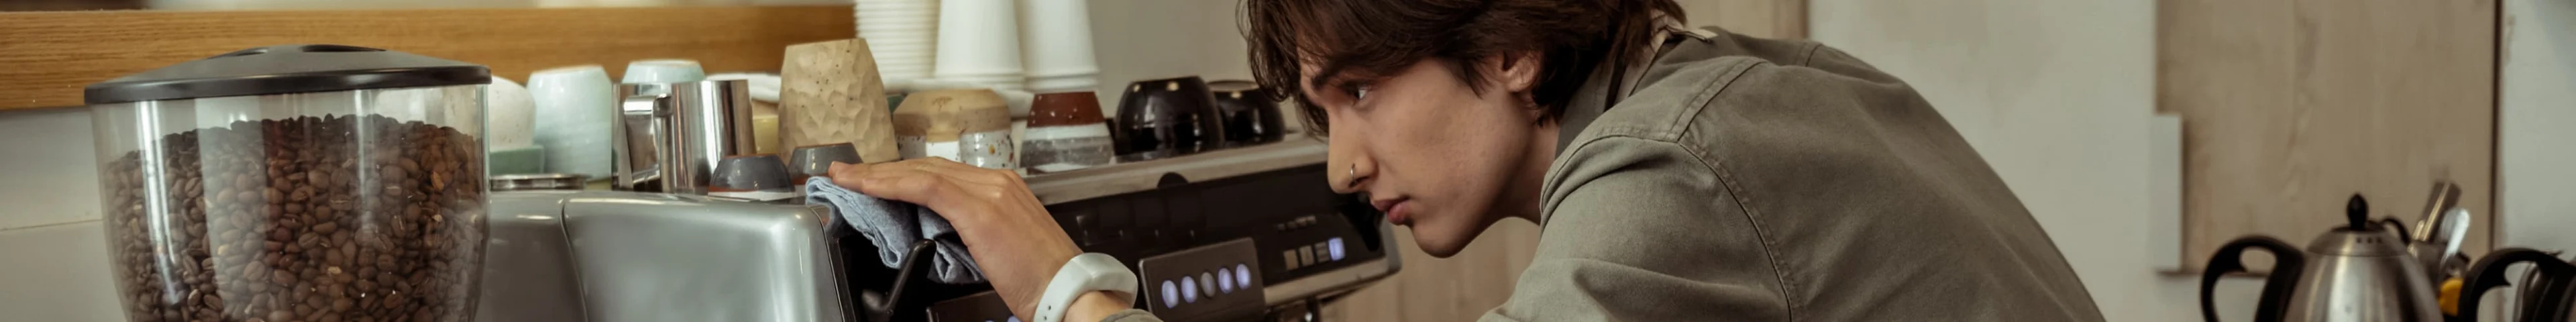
<point>269,210</point>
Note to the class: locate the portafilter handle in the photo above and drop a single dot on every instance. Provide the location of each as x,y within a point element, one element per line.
<point>915,261</point>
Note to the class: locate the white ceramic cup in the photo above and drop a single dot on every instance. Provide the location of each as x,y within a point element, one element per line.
<point>977,38</point>
<point>663,71</point>
<point>512,112</point>
<point>574,109</point>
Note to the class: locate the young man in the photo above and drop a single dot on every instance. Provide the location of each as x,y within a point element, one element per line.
<point>1679,174</point>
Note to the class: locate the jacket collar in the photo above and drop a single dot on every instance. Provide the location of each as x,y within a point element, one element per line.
<point>1611,80</point>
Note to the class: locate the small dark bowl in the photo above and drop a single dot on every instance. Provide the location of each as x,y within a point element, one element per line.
<point>1251,117</point>
<point>816,160</point>
<point>1168,117</point>
<point>757,172</point>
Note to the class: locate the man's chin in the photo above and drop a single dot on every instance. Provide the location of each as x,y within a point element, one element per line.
<point>1437,246</point>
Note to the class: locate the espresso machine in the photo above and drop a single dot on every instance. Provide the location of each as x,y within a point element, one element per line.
<point>1243,234</point>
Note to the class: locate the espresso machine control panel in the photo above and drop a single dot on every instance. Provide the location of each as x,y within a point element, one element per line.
<point>1232,235</point>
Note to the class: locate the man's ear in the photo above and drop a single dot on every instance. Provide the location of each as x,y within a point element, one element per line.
<point>1516,72</point>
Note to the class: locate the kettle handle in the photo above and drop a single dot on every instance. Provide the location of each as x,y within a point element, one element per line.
<point>2490,273</point>
<point>2276,288</point>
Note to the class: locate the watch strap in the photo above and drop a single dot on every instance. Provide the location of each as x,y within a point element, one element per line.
<point>1086,273</point>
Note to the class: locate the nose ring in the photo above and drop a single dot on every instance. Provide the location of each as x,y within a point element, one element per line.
<point>1353,172</point>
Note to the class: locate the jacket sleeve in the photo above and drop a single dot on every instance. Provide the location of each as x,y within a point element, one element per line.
<point>1639,229</point>
<point>1131,315</point>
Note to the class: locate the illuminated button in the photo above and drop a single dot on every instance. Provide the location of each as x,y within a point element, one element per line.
<point>1225,280</point>
<point>1335,246</point>
<point>1189,290</point>
<point>1171,295</point>
<point>1243,276</point>
<point>1209,287</point>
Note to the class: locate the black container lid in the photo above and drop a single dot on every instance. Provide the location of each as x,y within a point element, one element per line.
<point>287,69</point>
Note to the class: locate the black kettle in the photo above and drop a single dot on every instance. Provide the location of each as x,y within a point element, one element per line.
<point>2546,293</point>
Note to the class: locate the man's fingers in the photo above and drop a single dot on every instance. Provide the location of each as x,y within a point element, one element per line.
<point>947,195</point>
<point>954,170</point>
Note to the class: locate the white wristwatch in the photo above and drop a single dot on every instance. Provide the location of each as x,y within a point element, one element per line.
<point>1086,273</point>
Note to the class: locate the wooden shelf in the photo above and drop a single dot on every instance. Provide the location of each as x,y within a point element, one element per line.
<point>46,57</point>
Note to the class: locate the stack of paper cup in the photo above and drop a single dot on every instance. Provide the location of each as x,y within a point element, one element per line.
<point>979,42</point>
<point>901,34</point>
<point>1057,46</point>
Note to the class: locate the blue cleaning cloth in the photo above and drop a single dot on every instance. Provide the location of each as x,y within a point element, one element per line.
<point>894,226</point>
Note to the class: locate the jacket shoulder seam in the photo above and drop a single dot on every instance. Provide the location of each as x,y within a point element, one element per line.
<point>1734,188</point>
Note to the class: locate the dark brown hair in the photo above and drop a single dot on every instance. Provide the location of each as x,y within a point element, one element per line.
<point>1366,39</point>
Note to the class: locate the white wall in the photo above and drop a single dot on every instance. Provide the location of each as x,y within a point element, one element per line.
<point>2057,96</point>
<point>2537,142</point>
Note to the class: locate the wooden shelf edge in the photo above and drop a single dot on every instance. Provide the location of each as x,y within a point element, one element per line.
<point>47,57</point>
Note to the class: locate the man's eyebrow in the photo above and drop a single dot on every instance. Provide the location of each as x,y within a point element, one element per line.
<point>1322,78</point>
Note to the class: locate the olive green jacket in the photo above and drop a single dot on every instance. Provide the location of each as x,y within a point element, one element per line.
<point>1751,179</point>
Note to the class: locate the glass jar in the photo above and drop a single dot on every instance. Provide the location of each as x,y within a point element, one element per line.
<point>294,183</point>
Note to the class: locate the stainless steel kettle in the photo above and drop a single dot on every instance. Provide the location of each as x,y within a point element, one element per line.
<point>2359,272</point>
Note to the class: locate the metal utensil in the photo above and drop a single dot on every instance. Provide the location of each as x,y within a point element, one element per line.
<point>2438,235</point>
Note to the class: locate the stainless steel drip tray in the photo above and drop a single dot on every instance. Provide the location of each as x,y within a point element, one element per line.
<point>1122,178</point>
<point>623,256</point>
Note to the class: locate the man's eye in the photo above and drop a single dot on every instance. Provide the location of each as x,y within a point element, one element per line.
<point>1357,92</point>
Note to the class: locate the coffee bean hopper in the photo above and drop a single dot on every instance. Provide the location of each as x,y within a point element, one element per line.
<point>294,183</point>
<point>1241,234</point>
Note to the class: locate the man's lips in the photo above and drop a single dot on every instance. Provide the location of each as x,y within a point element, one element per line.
<point>1395,209</point>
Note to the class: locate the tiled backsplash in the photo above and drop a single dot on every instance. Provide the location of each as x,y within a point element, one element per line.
<point>52,176</point>
<point>51,244</point>
<point>56,273</point>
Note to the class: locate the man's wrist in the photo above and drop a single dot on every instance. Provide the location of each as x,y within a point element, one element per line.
<point>1095,305</point>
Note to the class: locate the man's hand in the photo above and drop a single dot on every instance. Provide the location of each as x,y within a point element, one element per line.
<point>1016,244</point>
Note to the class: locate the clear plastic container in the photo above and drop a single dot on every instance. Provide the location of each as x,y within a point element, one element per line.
<point>295,183</point>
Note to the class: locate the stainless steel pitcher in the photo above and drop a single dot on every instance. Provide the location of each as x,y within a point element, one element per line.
<point>669,136</point>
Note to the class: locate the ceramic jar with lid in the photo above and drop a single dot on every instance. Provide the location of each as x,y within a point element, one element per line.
<point>1066,132</point>
<point>1168,117</point>
<point>1250,112</point>
<point>971,126</point>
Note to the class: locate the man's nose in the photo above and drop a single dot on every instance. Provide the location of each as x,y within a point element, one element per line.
<point>1350,165</point>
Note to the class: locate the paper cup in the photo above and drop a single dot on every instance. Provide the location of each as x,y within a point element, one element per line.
<point>977,37</point>
<point>1058,49</point>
